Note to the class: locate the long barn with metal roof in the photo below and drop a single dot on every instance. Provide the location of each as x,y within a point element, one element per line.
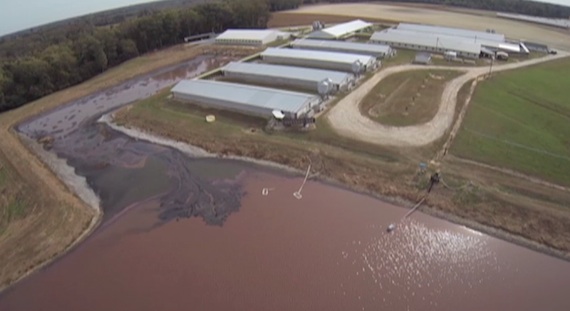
<point>493,41</point>
<point>376,50</point>
<point>485,43</point>
<point>423,42</point>
<point>255,37</point>
<point>340,31</point>
<point>320,59</point>
<point>455,32</point>
<point>297,77</point>
<point>246,99</point>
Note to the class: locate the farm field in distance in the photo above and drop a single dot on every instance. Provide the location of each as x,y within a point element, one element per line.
<point>407,98</point>
<point>520,120</point>
<point>396,13</point>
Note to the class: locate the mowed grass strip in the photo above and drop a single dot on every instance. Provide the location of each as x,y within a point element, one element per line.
<point>407,98</point>
<point>12,205</point>
<point>521,120</point>
<point>236,126</point>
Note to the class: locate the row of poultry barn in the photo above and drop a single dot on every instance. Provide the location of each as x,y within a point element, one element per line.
<point>436,39</point>
<point>298,78</point>
<point>295,80</point>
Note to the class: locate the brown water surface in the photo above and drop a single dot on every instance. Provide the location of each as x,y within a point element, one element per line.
<point>326,251</point>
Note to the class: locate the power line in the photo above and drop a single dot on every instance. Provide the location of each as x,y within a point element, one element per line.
<point>541,151</point>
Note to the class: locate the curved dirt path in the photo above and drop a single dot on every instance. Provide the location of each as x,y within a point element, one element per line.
<point>345,117</point>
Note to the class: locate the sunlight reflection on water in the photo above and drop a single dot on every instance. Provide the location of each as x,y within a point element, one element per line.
<point>419,263</point>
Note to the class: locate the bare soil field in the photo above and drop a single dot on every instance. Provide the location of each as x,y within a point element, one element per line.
<point>50,218</point>
<point>286,19</point>
<point>413,14</point>
<point>407,98</point>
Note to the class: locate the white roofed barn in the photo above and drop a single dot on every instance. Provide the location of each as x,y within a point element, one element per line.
<point>340,31</point>
<point>254,37</point>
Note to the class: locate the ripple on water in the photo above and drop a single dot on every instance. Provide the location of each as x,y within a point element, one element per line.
<point>417,263</point>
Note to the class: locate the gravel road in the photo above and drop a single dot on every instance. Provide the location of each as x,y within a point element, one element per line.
<point>346,119</point>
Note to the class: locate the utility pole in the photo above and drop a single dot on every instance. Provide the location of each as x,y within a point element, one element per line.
<point>491,65</point>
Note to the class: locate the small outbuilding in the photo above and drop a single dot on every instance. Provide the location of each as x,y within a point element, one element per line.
<point>245,99</point>
<point>254,37</point>
<point>422,58</point>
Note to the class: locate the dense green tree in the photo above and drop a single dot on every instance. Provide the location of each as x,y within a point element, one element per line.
<point>191,23</point>
<point>30,80</point>
<point>4,81</point>
<point>127,49</point>
<point>90,55</point>
<point>249,14</point>
<point>109,42</point>
<point>217,16</point>
<point>62,65</point>
<point>170,27</point>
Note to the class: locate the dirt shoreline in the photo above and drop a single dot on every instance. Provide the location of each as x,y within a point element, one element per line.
<point>396,200</point>
<point>92,225</point>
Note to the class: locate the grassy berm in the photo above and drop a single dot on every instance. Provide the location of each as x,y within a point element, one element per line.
<point>390,173</point>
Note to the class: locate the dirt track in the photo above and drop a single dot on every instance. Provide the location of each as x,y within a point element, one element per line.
<point>347,120</point>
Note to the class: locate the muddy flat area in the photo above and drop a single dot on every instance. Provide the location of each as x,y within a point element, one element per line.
<point>327,251</point>
<point>67,118</point>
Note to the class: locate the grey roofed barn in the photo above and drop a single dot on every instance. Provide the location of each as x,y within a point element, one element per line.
<point>274,73</point>
<point>420,41</point>
<point>248,99</point>
<point>496,45</point>
<point>377,50</point>
<point>313,58</point>
<point>457,32</point>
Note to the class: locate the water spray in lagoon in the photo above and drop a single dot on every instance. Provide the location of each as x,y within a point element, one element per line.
<point>297,194</point>
<point>434,179</point>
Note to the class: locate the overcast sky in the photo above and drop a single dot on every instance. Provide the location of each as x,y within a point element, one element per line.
<point>17,15</point>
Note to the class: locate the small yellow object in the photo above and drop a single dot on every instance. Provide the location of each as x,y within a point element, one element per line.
<point>210,118</point>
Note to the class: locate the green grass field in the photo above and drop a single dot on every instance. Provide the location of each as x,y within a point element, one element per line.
<point>12,203</point>
<point>521,120</point>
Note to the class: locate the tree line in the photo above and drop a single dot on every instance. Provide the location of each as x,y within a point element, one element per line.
<point>36,65</point>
